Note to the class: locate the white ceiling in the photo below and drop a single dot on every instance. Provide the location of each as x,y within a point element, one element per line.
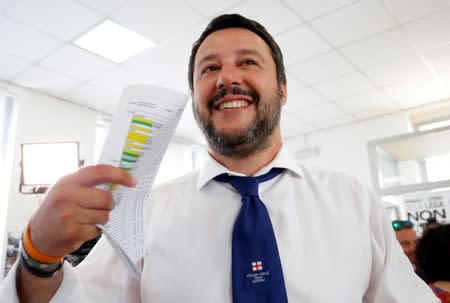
<point>346,60</point>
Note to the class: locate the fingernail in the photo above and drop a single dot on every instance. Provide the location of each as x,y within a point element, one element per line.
<point>133,181</point>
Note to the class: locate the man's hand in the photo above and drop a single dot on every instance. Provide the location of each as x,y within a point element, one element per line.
<point>72,207</point>
<point>65,220</point>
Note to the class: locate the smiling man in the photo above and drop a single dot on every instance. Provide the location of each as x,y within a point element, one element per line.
<point>238,98</point>
<point>251,225</point>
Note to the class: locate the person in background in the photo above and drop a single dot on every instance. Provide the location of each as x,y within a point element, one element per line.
<point>251,225</point>
<point>407,237</point>
<point>433,260</point>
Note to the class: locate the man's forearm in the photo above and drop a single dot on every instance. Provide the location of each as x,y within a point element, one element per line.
<point>33,289</point>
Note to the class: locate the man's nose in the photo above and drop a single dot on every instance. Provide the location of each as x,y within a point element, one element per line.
<point>228,77</point>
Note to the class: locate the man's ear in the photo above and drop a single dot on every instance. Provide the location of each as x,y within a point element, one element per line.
<point>283,88</point>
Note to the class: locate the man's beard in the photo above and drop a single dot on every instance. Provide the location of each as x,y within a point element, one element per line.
<point>246,141</point>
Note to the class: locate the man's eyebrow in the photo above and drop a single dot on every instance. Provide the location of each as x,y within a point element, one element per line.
<point>206,58</point>
<point>246,51</point>
<point>241,52</point>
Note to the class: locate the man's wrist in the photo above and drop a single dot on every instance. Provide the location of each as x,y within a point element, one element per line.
<point>35,267</point>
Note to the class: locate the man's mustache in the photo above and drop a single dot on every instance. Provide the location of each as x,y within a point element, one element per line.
<point>233,91</point>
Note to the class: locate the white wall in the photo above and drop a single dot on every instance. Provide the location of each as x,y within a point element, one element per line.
<point>344,148</point>
<point>41,118</point>
<point>178,161</point>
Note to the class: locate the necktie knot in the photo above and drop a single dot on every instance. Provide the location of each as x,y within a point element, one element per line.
<point>248,186</point>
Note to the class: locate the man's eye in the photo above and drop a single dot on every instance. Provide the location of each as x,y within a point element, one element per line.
<point>249,62</point>
<point>209,68</point>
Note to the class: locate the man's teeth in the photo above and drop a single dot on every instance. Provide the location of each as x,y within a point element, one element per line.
<point>233,104</point>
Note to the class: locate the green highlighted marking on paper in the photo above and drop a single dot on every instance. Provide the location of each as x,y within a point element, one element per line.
<point>138,138</point>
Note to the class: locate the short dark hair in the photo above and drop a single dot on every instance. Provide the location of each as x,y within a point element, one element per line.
<point>432,254</point>
<point>238,21</point>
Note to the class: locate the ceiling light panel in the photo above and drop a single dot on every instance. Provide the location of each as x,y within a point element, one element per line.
<point>114,42</point>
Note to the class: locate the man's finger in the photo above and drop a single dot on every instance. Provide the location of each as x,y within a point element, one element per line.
<point>86,233</point>
<point>102,173</point>
<point>92,216</point>
<point>94,198</point>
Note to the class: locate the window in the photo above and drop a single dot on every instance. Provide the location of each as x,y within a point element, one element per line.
<point>7,136</point>
<point>43,164</point>
<point>411,174</point>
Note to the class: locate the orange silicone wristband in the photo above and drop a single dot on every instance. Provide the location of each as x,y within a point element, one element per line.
<point>35,254</point>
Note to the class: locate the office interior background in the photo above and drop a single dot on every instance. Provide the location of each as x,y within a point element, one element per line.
<point>368,89</point>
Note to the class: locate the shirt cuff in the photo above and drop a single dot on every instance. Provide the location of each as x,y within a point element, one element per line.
<point>69,291</point>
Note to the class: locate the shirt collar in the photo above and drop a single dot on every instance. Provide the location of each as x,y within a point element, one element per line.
<point>212,168</point>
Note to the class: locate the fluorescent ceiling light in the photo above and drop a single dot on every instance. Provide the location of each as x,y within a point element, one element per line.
<point>114,42</point>
<point>434,125</point>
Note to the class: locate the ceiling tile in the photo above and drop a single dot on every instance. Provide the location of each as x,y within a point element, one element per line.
<point>157,20</point>
<point>354,22</point>
<point>76,63</point>
<point>104,7</point>
<point>323,67</point>
<point>292,125</point>
<point>46,81</point>
<point>335,121</point>
<point>10,66</point>
<point>380,48</point>
<point>308,9</point>
<point>345,86</point>
<point>293,84</point>
<point>5,4</point>
<point>432,31</point>
<point>24,42</point>
<point>211,7</point>
<point>272,14</point>
<point>321,112</point>
<point>166,64</point>
<point>407,10</point>
<point>116,79</point>
<point>369,105</point>
<point>400,69</point>
<point>64,19</point>
<point>301,43</point>
<point>385,58</point>
<point>414,93</point>
<point>94,97</point>
<point>302,99</point>
<point>439,60</point>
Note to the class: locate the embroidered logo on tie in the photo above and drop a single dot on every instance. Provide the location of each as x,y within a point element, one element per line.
<point>257,266</point>
<point>258,275</point>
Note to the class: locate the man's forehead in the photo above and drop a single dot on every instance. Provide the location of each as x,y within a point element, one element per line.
<point>243,40</point>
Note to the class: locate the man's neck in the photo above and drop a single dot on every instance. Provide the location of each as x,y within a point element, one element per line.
<point>252,164</point>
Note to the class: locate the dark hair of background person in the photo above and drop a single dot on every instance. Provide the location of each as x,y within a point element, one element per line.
<point>433,254</point>
<point>238,21</point>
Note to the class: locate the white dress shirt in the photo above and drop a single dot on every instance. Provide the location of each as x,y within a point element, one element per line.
<point>334,240</point>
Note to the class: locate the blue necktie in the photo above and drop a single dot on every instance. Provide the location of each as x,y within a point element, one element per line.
<point>257,275</point>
